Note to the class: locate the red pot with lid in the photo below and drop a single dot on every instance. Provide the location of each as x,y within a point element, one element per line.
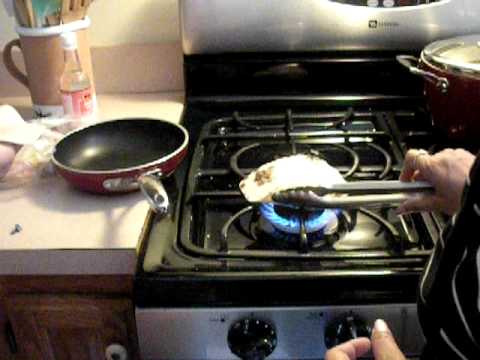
<point>451,69</point>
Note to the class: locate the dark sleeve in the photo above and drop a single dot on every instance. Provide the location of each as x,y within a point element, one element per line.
<point>449,302</point>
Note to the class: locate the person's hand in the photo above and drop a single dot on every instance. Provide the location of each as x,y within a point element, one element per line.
<point>349,350</point>
<point>382,344</point>
<point>446,170</point>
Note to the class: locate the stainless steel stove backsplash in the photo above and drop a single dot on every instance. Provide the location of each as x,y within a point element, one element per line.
<point>219,26</point>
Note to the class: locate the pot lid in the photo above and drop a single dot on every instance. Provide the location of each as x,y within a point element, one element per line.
<point>458,54</point>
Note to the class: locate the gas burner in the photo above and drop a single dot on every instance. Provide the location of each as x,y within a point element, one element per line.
<point>328,230</point>
<point>291,221</point>
<point>286,228</point>
<point>294,229</point>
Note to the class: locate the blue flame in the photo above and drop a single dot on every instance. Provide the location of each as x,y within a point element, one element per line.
<point>315,221</point>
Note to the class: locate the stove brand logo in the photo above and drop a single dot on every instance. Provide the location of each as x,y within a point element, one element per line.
<point>375,24</point>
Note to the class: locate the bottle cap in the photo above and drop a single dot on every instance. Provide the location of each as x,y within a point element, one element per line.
<point>69,40</point>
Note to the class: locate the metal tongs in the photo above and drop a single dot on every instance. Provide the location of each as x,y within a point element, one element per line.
<point>352,194</point>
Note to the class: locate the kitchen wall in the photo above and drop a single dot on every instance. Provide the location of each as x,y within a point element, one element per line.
<point>135,47</point>
<point>116,22</point>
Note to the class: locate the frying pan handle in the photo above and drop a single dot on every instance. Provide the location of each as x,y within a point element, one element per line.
<point>120,184</point>
<point>149,183</point>
<point>154,191</point>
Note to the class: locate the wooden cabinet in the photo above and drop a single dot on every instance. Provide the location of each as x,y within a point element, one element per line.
<point>74,317</point>
<point>5,351</point>
<point>70,327</point>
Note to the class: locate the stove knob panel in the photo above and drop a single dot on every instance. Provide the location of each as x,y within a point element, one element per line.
<point>346,327</point>
<point>252,339</point>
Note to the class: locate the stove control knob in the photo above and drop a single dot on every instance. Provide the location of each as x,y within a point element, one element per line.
<point>345,327</point>
<point>252,339</point>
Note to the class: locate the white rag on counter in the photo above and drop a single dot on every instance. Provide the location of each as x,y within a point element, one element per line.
<point>15,130</point>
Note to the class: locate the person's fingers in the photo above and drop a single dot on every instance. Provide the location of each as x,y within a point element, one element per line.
<point>336,354</point>
<point>416,162</point>
<point>408,163</point>
<point>418,176</point>
<point>418,203</point>
<point>384,346</point>
<point>349,350</point>
<point>423,163</point>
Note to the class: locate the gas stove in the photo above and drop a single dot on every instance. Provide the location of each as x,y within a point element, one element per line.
<point>221,278</point>
<point>217,265</point>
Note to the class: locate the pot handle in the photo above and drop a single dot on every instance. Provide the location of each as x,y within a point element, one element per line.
<point>411,63</point>
<point>153,189</point>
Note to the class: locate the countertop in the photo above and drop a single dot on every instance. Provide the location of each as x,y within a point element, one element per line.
<point>66,231</point>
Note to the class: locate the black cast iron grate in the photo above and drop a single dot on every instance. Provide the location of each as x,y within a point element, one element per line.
<point>358,143</point>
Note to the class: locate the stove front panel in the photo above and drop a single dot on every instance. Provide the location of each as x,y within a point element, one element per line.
<point>300,332</point>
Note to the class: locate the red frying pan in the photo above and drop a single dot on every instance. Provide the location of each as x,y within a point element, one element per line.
<point>122,155</point>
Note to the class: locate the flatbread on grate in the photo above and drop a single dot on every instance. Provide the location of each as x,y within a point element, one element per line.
<point>286,173</point>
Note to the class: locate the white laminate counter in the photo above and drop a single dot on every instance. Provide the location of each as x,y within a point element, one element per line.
<point>65,231</point>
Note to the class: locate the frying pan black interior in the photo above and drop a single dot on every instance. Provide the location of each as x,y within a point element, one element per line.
<point>119,144</point>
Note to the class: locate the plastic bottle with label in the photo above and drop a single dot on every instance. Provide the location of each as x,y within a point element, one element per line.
<point>78,97</point>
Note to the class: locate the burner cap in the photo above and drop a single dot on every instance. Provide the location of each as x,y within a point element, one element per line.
<point>288,220</point>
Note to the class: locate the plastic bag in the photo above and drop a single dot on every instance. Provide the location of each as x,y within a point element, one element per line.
<point>32,161</point>
<point>35,142</point>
